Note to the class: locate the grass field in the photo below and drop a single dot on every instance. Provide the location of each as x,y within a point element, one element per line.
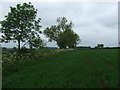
<point>85,68</point>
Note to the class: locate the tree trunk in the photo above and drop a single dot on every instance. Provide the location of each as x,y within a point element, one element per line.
<point>18,44</point>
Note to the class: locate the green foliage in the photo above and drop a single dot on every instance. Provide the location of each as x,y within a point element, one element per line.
<point>52,32</point>
<point>62,33</point>
<point>64,24</point>
<point>68,38</point>
<point>20,24</point>
<point>36,43</point>
<point>100,45</point>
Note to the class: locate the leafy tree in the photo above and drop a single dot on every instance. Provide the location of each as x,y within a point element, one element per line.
<point>72,39</point>
<point>64,24</point>
<point>61,41</point>
<point>20,24</point>
<point>62,33</point>
<point>68,38</point>
<point>100,45</point>
<point>52,33</point>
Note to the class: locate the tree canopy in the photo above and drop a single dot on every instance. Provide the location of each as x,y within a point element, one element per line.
<point>62,33</point>
<point>100,45</point>
<point>68,38</point>
<point>20,24</point>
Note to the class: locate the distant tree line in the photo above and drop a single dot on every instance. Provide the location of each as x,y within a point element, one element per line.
<point>99,46</point>
<point>83,47</point>
<point>21,25</point>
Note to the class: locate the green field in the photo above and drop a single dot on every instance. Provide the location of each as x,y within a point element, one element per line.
<point>85,68</point>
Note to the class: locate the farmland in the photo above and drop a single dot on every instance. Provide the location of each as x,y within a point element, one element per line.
<point>84,68</point>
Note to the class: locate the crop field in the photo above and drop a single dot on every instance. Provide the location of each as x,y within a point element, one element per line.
<point>84,68</point>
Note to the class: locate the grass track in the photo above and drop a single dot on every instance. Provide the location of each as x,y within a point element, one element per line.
<point>73,69</point>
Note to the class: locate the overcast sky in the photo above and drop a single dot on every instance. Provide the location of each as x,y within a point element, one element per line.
<point>94,22</point>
